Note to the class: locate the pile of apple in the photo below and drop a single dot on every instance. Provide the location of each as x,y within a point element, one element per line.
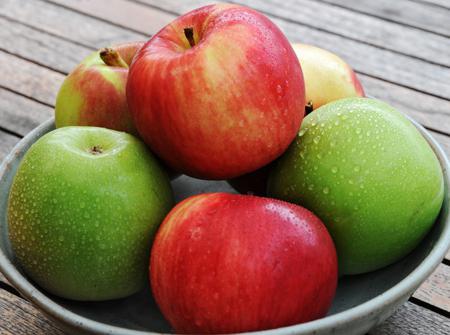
<point>220,93</point>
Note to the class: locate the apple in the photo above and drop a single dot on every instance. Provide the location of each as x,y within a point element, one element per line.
<point>367,172</point>
<point>82,211</point>
<point>93,94</point>
<point>226,263</point>
<point>217,93</point>
<point>327,76</point>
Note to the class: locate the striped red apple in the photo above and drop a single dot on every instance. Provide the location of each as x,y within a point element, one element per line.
<point>218,92</point>
<point>227,263</point>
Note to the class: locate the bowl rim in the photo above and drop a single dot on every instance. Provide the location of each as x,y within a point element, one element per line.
<point>401,289</point>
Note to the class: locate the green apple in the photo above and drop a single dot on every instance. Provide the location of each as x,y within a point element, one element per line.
<point>83,209</point>
<point>367,172</point>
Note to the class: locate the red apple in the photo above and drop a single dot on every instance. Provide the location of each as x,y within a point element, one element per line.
<point>93,94</point>
<point>230,263</point>
<point>218,92</point>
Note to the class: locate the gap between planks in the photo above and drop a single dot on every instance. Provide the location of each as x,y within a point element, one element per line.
<point>409,13</point>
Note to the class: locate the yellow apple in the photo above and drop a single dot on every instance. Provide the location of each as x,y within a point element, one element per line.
<point>327,76</point>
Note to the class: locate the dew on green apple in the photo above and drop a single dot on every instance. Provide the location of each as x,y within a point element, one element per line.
<point>400,159</point>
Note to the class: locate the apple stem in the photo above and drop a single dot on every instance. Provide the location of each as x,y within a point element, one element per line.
<point>112,58</point>
<point>189,33</point>
<point>309,107</point>
<point>95,150</point>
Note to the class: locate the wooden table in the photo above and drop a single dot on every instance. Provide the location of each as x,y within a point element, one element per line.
<point>400,50</point>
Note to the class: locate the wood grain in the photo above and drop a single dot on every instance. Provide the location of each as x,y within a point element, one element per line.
<point>411,319</point>
<point>371,30</point>
<point>429,111</point>
<point>29,79</point>
<point>371,60</point>
<point>436,289</point>
<point>113,11</point>
<point>411,13</point>
<point>21,115</point>
<point>79,28</point>
<point>18,316</point>
<point>40,47</point>
<point>441,3</point>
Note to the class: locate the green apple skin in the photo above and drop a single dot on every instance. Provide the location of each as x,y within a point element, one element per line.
<point>81,222</point>
<point>367,172</point>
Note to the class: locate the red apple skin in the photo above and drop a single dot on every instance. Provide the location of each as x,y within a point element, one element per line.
<point>225,263</point>
<point>93,94</point>
<point>229,105</point>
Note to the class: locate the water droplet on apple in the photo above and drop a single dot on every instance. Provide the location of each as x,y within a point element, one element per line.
<point>356,168</point>
<point>326,190</point>
<point>316,139</point>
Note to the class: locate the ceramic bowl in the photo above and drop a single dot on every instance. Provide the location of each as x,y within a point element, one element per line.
<point>361,302</point>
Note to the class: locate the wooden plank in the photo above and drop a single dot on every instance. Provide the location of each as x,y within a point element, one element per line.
<point>61,22</point>
<point>113,11</point>
<point>179,7</point>
<point>20,317</point>
<point>411,319</point>
<point>367,59</point>
<point>19,114</point>
<point>436,289</point>
<point>40,47</point>
<point>429,111</point>
<point>414,14</point>
<point>29,79</point>
<point>372,30</point>
<point>440,3</point>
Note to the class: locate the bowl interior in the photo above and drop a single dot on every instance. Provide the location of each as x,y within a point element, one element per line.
<point>139,312</point>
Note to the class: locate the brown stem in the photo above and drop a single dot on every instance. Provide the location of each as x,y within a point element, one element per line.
<point>189,33</point>
<point>112,58</point>
<point>309,107</point>
<point>96,150</point>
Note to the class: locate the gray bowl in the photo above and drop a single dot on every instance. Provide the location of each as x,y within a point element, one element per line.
<point>361,302</point>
